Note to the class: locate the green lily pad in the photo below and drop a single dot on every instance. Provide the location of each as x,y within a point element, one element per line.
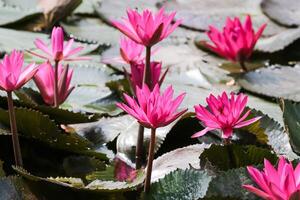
<point>235,156</point>
<point>181,184</point>
<point>12,13</point>
<point>116,9</point>
<point>34,125</point>
<point>200,14</point>
<point>92,30</point>
<point>181,158</point>
<point>283,12</point>
<point>275,81</point>
<point>291,119</point>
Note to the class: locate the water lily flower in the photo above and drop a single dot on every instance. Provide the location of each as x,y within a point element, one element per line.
<point>124,169</point>
<point>224,113</point>
<point>153,109</point>
<point>60,50</point>
<point>12,76</point>
<point>237,41</point>
<point>44,79</point>
<point>137,72</point>
<point>275,184</point>
<point>147,28</point>
<point>131,52</point>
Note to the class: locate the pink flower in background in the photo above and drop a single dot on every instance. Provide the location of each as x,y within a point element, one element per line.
<point>151,108</point>
<point>224,113</point>
<point>44,80</point>
<point>131,52</point>
<point>12,77</point>
<point>237,41</point>
<point>137,71</point>
<point>124,171</point>
<point>147,28</point>
<point>60,50</point>
<point>274,184</point>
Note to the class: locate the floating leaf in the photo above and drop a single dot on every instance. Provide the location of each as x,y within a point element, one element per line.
<point>181,158</point>
<point>181,184</point>
<point>275,81</point>
<point>96,186</point>
<point>283,12</point>
<point>10,39</point>
<point>278,42</point>
<point>86,8</point>
<point>80,166</point>
<point>14,188</point>
<point>126,142</point>
<point>92,30</point>
<point>235,156</point>
<point>88,90</point>
<point>268,131</point>
<point>33,124</point>
<point>200,14</point>
<point>108,10</point>
<point>291,116</point>
<point>228,185</point>
<point>12,14</point>
<point>103,131</point>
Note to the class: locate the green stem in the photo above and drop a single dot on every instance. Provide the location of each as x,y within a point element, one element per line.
<point>150,161</point>
<point>230,153</point>
<point>140,138</point>
<point>139,148</point>
<point>243,65</point>
<point>13,127</point>
<point>56,84</point>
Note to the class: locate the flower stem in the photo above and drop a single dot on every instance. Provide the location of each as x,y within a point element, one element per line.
<point>147,71</point>
<point>227,143</point>
<point>150,161</point>
<point>140,138</point>
<point>139,148</point>
<point>243,66</point>
<point>13,127</point>
<point>56,84</point>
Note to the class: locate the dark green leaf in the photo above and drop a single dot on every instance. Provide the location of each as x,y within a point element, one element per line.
<point>228,185</point>
<point>235,156</point>
<point>34,125</point>
<point>181,184</point>
<point>291,117</point>
<point>268,131</point>
<point>14,188</point>
<point>97,186</point>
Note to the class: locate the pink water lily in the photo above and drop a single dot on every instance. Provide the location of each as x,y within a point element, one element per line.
<point>275,184</point>
<point>153,109</point>
<point>131,52</point>
<point>60,50</point>
<point>124,171</point>
<point>237,41</point>
<point>224,113</point>
<point>12,76</point>
<point>44,80</point>
<point>137,72</point>
<point>147,28</point>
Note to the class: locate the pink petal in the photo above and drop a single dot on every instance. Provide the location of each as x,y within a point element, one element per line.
<point>256,191</point>
<point>247,122</point>
<point>203,132</point>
